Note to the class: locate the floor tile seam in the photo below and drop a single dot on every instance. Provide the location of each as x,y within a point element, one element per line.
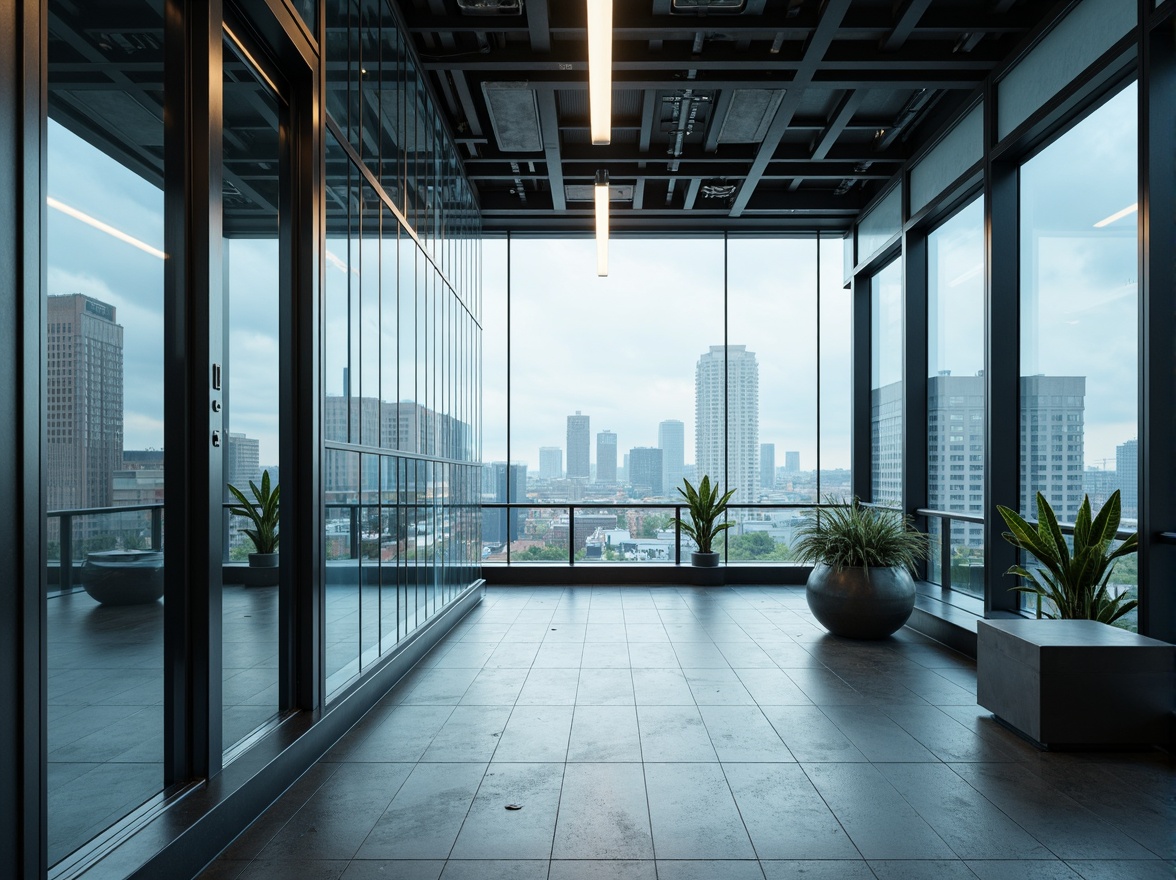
<point>804,769</point>
<point>917,738</point>
<point>1001,810</point>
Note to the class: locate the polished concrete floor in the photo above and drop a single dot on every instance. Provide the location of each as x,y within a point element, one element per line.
<point>683,734</point>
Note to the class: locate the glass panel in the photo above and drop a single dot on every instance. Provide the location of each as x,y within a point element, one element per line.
<point>955,362</point>
<point>1079,312</point>
<point>408,434</point>
<point>886,385</point>
<point>370,542</point>
<point>344,66</point>
<point>772,422</point>
<point>369,321</point>
<point>103,429</point>
<point>252,256</point>
<point>389,331</point>
<point>343,530</point>
<point>882,223</point>
<point>649,342</point>
<point>836,363</point>
<point>540,535</point>
<point>960,149</point>
<point>337,347</point>
<point>1088,30</point>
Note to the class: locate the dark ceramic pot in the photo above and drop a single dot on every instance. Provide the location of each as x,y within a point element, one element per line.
<point>124,577</point>
<point>263,560</point>
<point>859,603</point>
<point>704,560</point>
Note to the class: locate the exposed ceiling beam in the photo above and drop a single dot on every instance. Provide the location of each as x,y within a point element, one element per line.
<point>824,142</point>
<point>832,12</point>
<point>537,25</point>
<point>909,12</point>
<point>549,126</point>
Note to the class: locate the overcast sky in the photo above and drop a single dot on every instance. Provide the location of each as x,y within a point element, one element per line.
<point>623,349</point>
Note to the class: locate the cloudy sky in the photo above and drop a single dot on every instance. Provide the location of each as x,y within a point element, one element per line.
<point>623,349</point>
<point>83,259</point>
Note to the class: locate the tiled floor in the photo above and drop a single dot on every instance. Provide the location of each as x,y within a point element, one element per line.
<point>683,734</point>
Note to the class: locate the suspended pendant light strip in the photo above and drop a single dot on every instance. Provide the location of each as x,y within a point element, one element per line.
<point>601,194</point>
<point>600,70</point>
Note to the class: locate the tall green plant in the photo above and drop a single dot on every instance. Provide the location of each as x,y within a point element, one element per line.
<point>854,536</point>
<point>706,506</point>
<point>262,512</point>
<point>1077,582</point>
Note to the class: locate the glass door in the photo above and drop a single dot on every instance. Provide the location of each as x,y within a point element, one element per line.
<point>255,247</point>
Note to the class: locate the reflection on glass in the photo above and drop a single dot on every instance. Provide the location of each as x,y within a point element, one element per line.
<point>886,385</point>
<point>835,370</point>
<point>1079,419</point>
<point>955,386</point>
<point>252,258</point>
<point>104,435</point>
<point>343,554</point>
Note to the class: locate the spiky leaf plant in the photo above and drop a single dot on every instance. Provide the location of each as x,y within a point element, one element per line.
<point>1075,582</point>
<point>262,512</point>
<point>849,536</point>
<point>706,506</point>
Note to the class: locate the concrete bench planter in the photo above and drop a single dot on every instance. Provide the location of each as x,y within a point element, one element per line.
<point>123,577</point>
<point>1076,682</point>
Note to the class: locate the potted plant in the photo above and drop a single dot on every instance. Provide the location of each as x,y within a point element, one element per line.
<point>1075,584</point>
<point>262,512</point>
<point>861,585</point>
<point>706,506</point>
<point>1073,678</point>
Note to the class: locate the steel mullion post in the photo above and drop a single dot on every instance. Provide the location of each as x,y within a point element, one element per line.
<point>23,656</point>
<point>914,397</point>
<point>193,324</point>
<point>1002,356</point>
<point>860,418</point>
<point>1157,323</point>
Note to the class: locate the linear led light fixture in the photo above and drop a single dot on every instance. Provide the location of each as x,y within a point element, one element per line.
<point>601,196</point>
<point>104,227</point>
<point>600,70</point>
<point>1118,215</point>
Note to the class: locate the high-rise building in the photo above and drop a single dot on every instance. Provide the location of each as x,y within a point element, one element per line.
<point>767,465</point>
<point>496,520</point>
<point>84,402</point>
<point>1127,477</point>
<point>792,462</point>
<point>579,447</point>
<point>645,469</point>
<point>550,462</point>
<point>671,439</point>
<point>242,460</point>
<point>1052,441</point>
<point>730,457</point>
<point>606,457</point>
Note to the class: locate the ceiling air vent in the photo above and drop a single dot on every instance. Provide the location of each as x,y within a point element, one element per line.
<point>514,115</point>
<point>617,192</point>
<point>707,7</point>
<point>749,115</point>
<point>491,7</point>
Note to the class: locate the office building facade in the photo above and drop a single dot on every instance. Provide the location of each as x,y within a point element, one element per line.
<point>579,447</point>
<point>671,439</point>
<point>726,419</point>
<point>550,462</point>
<point>606,457</point>
<point>645,470</point>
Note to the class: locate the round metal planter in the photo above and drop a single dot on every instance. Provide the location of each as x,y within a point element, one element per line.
<point>860,603</point>
<point>704,560</point>
<point>124,577</point>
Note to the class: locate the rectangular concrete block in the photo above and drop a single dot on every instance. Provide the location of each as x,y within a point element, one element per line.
<point>1076,682</point>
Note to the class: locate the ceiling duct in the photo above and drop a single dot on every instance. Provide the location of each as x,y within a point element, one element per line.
<point>750,114</point>
<point>491,7</point>
<point>617,192</point>
<point>514,116</point>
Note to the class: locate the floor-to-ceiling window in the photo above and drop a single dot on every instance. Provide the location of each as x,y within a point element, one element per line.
<point>1079,318</point>
<point>886,386</point>
<point>620,387</point>
<point>955,393</point>
<point>401,333</point>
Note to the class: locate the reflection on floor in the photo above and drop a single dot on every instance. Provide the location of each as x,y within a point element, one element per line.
<point>106,702</point>
<point>700,733</point>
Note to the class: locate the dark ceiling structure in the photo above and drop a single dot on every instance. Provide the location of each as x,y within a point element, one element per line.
<point>727,114</point>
